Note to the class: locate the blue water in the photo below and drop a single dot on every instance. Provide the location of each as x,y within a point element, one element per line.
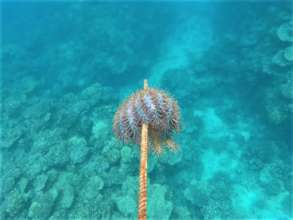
<point>65,68</point>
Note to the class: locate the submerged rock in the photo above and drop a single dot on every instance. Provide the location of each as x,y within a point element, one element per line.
<point>285,32</point>
<point>126,199</point>
<point>196,193</point>
<point>40,182</point>
<point>158,206</point>
<point>23,184</point>
<point>14,203</point>
<point>68,196</point>
<point>9,179</point>
<point>52,178</point>
<point>182,212</point>
<point>277,114</point>
<point>78,149</point>
<point>126,154</point>
<point>111,152</point>
<point>10,135</point>
<point>279,59</point>
<point>288,53</point>
<point>287,89</point>
<point>92,188</point>
<point>99,130</point>
<point>127,205</point>
<point>171,158</point>
<point>57,156</point>
<point>29,84</point>
<point>42,207</point>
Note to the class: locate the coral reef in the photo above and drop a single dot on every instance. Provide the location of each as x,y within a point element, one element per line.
<point>43,205</point>
<point>284,32</point>
<point>64,74</point>
<point>159,206</point>
<point>78,149</point>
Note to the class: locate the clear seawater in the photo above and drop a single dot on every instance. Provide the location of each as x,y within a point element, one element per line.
<point>67,65</point>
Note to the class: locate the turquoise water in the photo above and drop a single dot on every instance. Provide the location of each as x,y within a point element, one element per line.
<point>65,68</point>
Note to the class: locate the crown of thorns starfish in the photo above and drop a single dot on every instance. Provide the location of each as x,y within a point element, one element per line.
<point>153,107</point>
